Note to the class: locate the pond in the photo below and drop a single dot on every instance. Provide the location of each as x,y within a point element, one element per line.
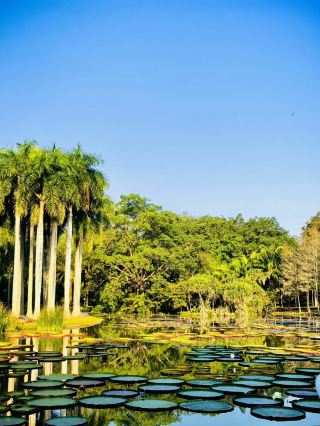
<point>162,372</point>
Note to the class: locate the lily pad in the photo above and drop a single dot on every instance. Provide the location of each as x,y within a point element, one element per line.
<point>57,377</point>
<point>261,377</point>
<point>12,421</point>
<point>291,384</point>
<point>159,388</point>
<point>66,421</point>
<point>257,384</point>
<point>122,393</point>
<point>53,403</point>
<point>303,393</point>
<point>24,410</point>
<point>128,379</point>
<point>257,401</point>
<point>47,393</point>
<point>101,401</point>
<point>233,389</point>
<point>86,383</point>
<point>166,381</point>
<point>201,394</point>
<point>204,383</point>
<point>294,376</point>
<point>312,371</point>
<point>150,405</point>
<point>97,376</point>
<point>39,384</point>
<point>312,405</point>
<point>206,406</point>
<point>281,413</point>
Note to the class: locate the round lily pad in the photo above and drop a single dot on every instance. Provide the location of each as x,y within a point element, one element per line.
<point>49,354</point>
<point>97,376</point>
<point>203,383</point>
<point>4,398</point>
<point>261,377</point>
<point>281,413</point>
<point>233,389</point>
<point>257,384</point>
<point>150,405</point>
<point>294,376</point>
<point>312,371</point>
<point>207,406</point>
<point>12,421</point>
<point>87,383</point>
<point>312,405</point>
<point>257,401</point>
<point>53,403</point>
<point>128,379</point>
<point>166,381</point>
<point>25,366</point>
<point>24,410</point>
<point>4,408</point>
<point>101,401</point>
<point>200,394</point>
<point>66,421</point>
<point>291,384</point>
<point>57,377</point>
<point>159,388</point>
<point>15,394</point>
<point>122,393</point>
<point>37,384</point>
<point>47,393</point>
<point>302,393</point>
<point>202,358</point>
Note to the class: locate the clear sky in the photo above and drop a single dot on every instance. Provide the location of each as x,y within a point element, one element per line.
<point>204,106</point>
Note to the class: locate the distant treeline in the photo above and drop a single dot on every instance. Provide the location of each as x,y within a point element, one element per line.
<point>133,257</point>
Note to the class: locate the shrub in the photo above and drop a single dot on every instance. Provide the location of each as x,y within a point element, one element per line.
<point>51,320</point>
<point>7,321</point>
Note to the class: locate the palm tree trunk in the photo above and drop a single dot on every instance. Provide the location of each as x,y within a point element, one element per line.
<point>39,262</point>
<point>67,271</point>
<point>51,297</point>
<point>77,275</point>
<point>16,285</point>
<point>22,262</point>
<point>30,271</point>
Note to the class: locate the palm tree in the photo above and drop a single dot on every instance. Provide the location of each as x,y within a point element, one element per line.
<point>14,165</point>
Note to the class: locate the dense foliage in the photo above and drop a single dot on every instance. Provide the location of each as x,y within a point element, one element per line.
<point>59,231</point>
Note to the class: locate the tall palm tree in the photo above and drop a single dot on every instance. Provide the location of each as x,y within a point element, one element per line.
<point>14,165</point>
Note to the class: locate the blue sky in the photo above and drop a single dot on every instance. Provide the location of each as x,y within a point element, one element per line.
<point>206,107</point>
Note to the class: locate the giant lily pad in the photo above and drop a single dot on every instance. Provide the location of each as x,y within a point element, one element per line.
<point>312,371</point>
<point>57,377</point>
<point>312,405</point>
<point>257,384</point>
<point>101,401</point>
<point>203,383</point>
<point>281,413</point>
<point>122,393</point>
<point>42,384</point>
<point>47,393</point>
<point>151,405</point>
<point>303,393</point>
<point>165,381</point>
<point>85,383</point>
<point>233,389</point>
<point>128,379</point>
<point>53,403</point>
<point>159,388</point>
<point>66,421</point>
<point>200,394</point>
<point>294,376</point>
<point>206,406</point>
<point>24,410</point>
<point>12,421</point>
<point>97,376</point>
<point>291,384</point>
<point>257,401</point>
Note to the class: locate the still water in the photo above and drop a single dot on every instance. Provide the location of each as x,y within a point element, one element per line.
<point>165,349</point>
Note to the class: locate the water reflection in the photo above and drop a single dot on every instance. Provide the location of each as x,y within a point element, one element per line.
<point>151,360</point>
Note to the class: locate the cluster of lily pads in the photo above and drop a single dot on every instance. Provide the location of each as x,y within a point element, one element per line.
<point>202,395</point>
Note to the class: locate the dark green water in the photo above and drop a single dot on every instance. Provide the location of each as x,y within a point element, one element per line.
<point>153,360</point>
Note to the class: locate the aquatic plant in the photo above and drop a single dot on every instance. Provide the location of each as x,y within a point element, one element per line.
<point>50,320</point>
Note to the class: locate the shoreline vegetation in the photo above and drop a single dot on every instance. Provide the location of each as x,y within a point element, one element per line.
<point>67,251</point>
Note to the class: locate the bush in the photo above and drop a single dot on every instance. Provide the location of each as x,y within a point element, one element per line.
<point>51,320</point>
<point>7,321</point>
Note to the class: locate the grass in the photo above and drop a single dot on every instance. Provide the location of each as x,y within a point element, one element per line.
<point>7,321</point>
<point>51,320</point>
